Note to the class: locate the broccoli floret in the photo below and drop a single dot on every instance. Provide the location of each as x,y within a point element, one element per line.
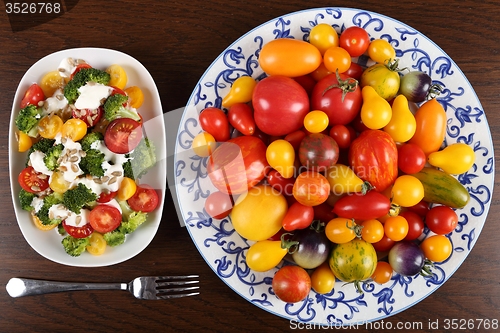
<point>91,163</point>
<point>52,156</point>
<point>43,145</point>
<point>74,199</point>
<point>134,221</point>
<point>81,78</point>
<point>89,139</point>
<point>142,158</point>
<point>27,120</point>
<point>75,246</point>
<point>113,108</point>
<point>25,199</point>
<point>49,201</point>
<point>114,238</point>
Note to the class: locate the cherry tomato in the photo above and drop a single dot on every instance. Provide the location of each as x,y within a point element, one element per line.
<point>421,208</point>
<point>33,181</point>
<point>127,188</point>
<point>281,156</point>
<point>323,212</point>
<point>396,228</point>
<point>106,196</point>
<point>376,112</point>
<point>291,284</point>
<point>241,91</point>
<point>318,152</point>
<point>381,51</point>
<point>78,68</point>
<point>407,191</point>
<point>279,183</point>
<point>323,36</point>
<point>32,96</point>
<point>384,78</point>
<point>135,96</point>
<point>215,122</point>
<point>24,141</point>
<point>279,98</point>
<point>415,224</point>
<point>337,59</point>
<point>298,216</point>
<point>307,82</point>
<point>49,126</point>
<point>411,158</point>
<point>311,188</point>
<point>441,220</point>
<point>355,40</point>
<point>323,279</point>
<point>203,144</point>
<point>123,135</point>
<point>342,135</point>
<point>74,129</point>
<point>90,116</point>
<point>341,230</point>
<point>316,121</point>
<point>295,138</point>
<point>340,100</point>
<point>218,205</point>
<point>384,245</point>
<point>372,231</point>
<point>97,244</point>
<point>437,248</point>
<point>78,232</point>
<point>431,126</point>
<point>383,272</point>
<point>355,71</point>
<point>105,218</point>
<point>240,116</point>
<point>145,199</point>
<point>51,82</point>
<point>118,76</point>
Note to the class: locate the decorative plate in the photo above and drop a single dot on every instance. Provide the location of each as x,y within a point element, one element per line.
<point>224,250</point>
<point>48,244</point>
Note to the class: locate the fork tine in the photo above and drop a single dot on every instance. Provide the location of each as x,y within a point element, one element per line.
<point>174,283</point>
<point>180,277</point>
<point>164,282</point>
<point>167,296</point>
<point>170,290</point>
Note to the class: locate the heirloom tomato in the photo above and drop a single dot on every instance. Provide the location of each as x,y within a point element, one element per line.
<point>431,126</point>
<point>323,36</point>
<point>238,164</point>
<point>454,159</point>
<point>372,231</point>
<point>265,254</point>
<point>360,206</point>
<point>384,78</point>
<point>383,273</point>
<point>396,228</point>
<point>281,156</point>
<point>355,40</point>
<point>437,248</point>
<point>323,279</point>
<point>407,191</point>
<point>318,152</point>
<point>289,57</point>
<point>339,96</point>
<point>407,259</point>
<point>376,112</point>
<point>402,125</point>
<point>381,51</point>
<point>417,85</point>
<point>280,105</point>
<point>336,59</point>
<point>312,248</point>
<point>341,230</point>
<point>215,122</point>
<point>240,116</point>
<point>291,284</point>
<point>374,157</point>
<point>353,261</point>
<point>311,188</point>
<point>298,216</point>
<point>241,91</point>
<point>343,180</point>
<point>257,214</point>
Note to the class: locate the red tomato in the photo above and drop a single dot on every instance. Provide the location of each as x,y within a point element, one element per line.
<point>415,224</point>
<point>90,117</point>
<point>105,218</point>
<point>123,135</point>
<point>295,138</point>
<point>240,116</point>
<point>311,188</point>
<point>307,82</point>
<point>280,184</point>
<point>32,96</point>
<point>421,208</point>
<point>291,284</point>
<point>145,199</point>
<point>280,105</point>
<point>298,216</point>
<point>355,71</point>
<point>441,220</point>
<point>215,122</point>
<point>355,41</point>
<point>358,206</point>
<point>78,232</point>
<point>341,103</point>
<point>79,68</point>
<point>411,158</point>
<point>318,152</point>
<point>342,135</point>
<point>106,196</point>
<point>32,181</point>
<point>374,157</point>
<point>384,245</point>
<point>218,205</point>
<point>323,212</point>
<point>238,164</point>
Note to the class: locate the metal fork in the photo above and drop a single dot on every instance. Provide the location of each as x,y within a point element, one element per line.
<point>144,287</point>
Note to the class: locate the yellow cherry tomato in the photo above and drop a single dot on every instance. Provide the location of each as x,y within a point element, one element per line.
<point>40,225</point>
<point>118,76</point>
<point>372,231</point>
<point>343,180</point>
<point>454,159</point>
<point>402,125</point>
<point>323,279</point>
<point>265,255</point>
<point>381,51</point>
<point>97,244</point>
<point>376,112</point>
<point>323,36</point>
<point>341,230</point>
<point>396,228</point>
<point>135,96</point>
<point>50,82</point>
<point>383,272</point>
<point>50,125</point>
<point>407,191</point>
<point>24,141</point>
<point>58,183</point>
<point>241,91</point>
<point>127,189</point>
<point>437,248</point>
<point>74,129</point>
<point>316,121</point>
<point>337,59</point>
<point>281,156</point>
<point>203,144</point>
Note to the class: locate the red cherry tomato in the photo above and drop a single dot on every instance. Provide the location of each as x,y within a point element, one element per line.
<point>298,216</point>
<point>295,138</point>
<point>342,135</point>
<point>307,82</point>
<point>123,135</point>
<point>441,220</point>
<point>32,96</point>
<point>218,205</point>
<point>145,199</point>
<point>240,116</point>
<point>78,232</point>
<point>105,218</point>
<point>355,71</point>
<point>32,181</point>
<point>421,208</point>
<point>355,41</point>
<point>215,122</point>
<point>106,196</point>
<point>415,224</point>
<point>384,245</point>
<point>280,184</point>
<point>89,116</point>
<point>411,158</point>
<point>324,212</point>
<point>79,68</point>
<point>291,284</point>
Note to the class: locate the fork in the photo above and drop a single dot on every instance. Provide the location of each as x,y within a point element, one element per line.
<point>144,287</point>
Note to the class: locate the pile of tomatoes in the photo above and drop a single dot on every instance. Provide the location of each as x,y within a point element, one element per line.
<point>339,167</point>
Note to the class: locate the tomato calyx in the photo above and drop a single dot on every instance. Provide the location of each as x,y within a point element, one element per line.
<point>356,228</point>
<point>348,85</point>
<point>426,270</point>
<point>393,66</point>
<point>287,243</point>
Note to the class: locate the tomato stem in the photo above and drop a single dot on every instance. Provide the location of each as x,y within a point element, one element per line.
<point>289,244</point>
<point>348,85</point>
<point>426,270</point>
<point>317,225</point>
<point>394,65</point>
<point>434,91</point>
<point>354,227</point>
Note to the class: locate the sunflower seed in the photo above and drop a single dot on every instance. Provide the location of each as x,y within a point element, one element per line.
<point>74,168</point>
<point>112,180</point>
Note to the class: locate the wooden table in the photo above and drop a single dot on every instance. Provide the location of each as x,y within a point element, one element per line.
<point>176,41</point>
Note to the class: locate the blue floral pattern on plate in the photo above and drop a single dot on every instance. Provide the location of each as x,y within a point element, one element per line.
<point>224,250</point>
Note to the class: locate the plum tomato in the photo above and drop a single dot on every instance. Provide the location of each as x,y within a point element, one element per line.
<point>311,188</point>
<point>218,205</point>
<point>280,105</point>
<point>355,40</point>
<point>240,116</point>
<point>339,96</point>
<point>318,152</point>
<point>441,220</point>
<point>291,284</point>
<point>359,206</point>
<point>298,217</point>
<point>214,121</point>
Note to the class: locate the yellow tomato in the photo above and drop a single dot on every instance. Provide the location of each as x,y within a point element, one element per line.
<point>264,255</point>
<point>118,76</point>
<point>341,230</point>
<point>241,91</point>
<point>50,82</point>
<point>204,144</point>
<point>381,51</point>
<point>127,189</point>
<point>74,129</point>
<point>281,156</point>
<point>323,36</point>
<point>343,180</point>
<point>40,225</point>
<point>24,142</point>
<point>289,57</point>
<point>402,125</point>
<point>135,96</point>
<point>376,112</point>
<point>323,279</point>
<point>58,183</point>
<point>97,244</point>
<point>437,248</point>
<point>257,214</point>
<point>455,159</point>
<point>316,121</point>
<point>49,126</point>
<point>407,191</point>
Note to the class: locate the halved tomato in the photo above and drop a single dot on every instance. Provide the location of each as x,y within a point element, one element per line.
<point>145,199</point>
<point>106,196</point>
<point>79,68</point>
<point>33,95</point>
<point>78,232</point>
<point>123,135</point>
<point>32,181</point>
<point>105,218</point>
<point>90,116</point>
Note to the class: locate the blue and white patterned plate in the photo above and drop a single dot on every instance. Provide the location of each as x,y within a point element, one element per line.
<point>224,250</point>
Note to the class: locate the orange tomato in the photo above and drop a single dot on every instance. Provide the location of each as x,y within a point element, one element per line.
<point>311,188</point>
<point>431,126</point>
<point>289,57</point>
